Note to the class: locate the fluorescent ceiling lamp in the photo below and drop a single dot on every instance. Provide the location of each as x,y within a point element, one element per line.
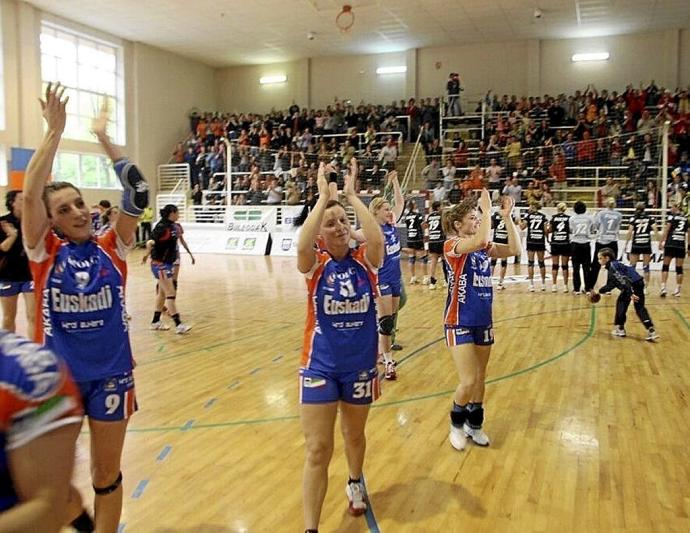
<point>592,56</point>
<point>391,70</point>
<point>280,78</point>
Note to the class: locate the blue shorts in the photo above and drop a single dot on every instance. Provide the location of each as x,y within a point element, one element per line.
<point>109,399</point>
<point>389,288</point>
<point>361,387</point>
<point>12,288</point>
<point>164,268</point>
<point>479,335</point>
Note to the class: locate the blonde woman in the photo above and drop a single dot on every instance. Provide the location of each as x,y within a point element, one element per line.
<point>468,322</point>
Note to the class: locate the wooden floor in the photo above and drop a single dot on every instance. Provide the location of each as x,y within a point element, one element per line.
<point>589,432</point>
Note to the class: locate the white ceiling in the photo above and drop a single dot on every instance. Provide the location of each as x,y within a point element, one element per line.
<point>235,32</point>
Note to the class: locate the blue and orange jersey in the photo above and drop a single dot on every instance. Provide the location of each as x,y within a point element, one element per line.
<point>37,395</point>
<point>341,333</point>
<point>470,293</point>
<point>80,303</point>
<point>390,269</point>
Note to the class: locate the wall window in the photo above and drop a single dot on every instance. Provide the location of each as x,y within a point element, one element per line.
<point>92,70</point>
<point>88,171</point>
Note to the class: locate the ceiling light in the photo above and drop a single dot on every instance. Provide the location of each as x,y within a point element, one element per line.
<point>279,78</point>
<point>391,70</point>
<point>591,56</point>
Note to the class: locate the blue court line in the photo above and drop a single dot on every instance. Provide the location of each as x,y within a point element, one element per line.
<point>255,371</point>
<point>187,425</point>
<point>121,528</point>
<point>277,358</point>
<point>369,515</point>
<point>210,403</point>
<point>164,453</point>
<point>234,384</point>
<point>140,489</point>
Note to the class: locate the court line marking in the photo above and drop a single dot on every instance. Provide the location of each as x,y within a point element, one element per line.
<point>369,514</point>
<point>187,425</point>
<point>258,369</point>
<point>232,423</point>
<point>141,487</point>
<point>164,453</point>
<point>683,319</point>
<point>210,403</point>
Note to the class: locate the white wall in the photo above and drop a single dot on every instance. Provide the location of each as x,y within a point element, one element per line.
<point>684,58</point>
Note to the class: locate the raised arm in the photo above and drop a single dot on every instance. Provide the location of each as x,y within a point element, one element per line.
<point>370,229</point>
<point>398,199</point>
<point>35,217</point>
<point>306,256</point>
<point>135,195</point>
<point>481,239</point>
<point>513,246</point>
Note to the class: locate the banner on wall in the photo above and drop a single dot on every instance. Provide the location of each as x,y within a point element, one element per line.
<point>207,239</point>
<point>284,243</point>
<point>248,218</point>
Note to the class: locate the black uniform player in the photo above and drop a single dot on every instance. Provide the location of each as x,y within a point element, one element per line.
<point>640,228</point>
<point>535,222</point>
<point>436,240</point>
<point>674,243</point>
<point>559,228</point>
<point>414,221</point>
<point>500,236</point>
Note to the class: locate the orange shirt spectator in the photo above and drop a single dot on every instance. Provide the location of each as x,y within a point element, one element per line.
<point>475,180</point>
<point>557,169</point>
<point>201,128</point>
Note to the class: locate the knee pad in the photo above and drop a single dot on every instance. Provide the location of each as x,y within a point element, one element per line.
<point>530,263</point>
<point>386,325</point>
<point>110,488</point>
<point>565,268</point>
<point>679,270</point>
<point>542,264</point>
<point>175,284</point>
<point>458,418</point>
<point>665,268</point>
<point>645,269</point>
<point>554,266</point>
<point>475,418</point>
<point>412,259</point>
<point>493,262</point>
<point>504,263</point>
<point>170,297</point>
<point>424,259</point>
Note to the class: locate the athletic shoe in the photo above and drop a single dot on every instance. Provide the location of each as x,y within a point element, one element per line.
<point>390,372</point>
<point>425,280</point>
<point>357,498</point>
<point>432,286</point>
<point>618,332</point>
<point>646,291</point>
<point>554,288</point>
<point>396,347</point>
<point>181,329</point>
<point>457,438</point>
<point>531,287</point>
<point>588,294</point>
<point>565,290</point>
<point>500,286</point>
<point>652,335</point>
<point>477,435</point>
<point>444,284</point>
<point>663,292</point>
<point>159,326</point>
<point>543,288</point>
<point>413,280</point>
<point>676,293</point>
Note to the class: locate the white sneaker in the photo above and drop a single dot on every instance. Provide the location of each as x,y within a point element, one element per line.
<point>500,286</point>
<point>477,435</point>
<point>159,326</point>
<point>554,288</point>
<point>457,438</point>
<point>676,293</point>
<point>432,286</point>
<point>413,280</point>
<point>652,335</point>
<point>663,292</point>
<point>543,288</point>
<point>181,329</point>
<point>565,290</point>
<point>425,280</point>
<point>390,372</point>
<point>618,332</point>
<point>357,498</point>
<point>444,284</point>
<point>531,287</point>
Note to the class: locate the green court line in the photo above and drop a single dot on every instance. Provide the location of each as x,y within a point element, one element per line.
<point>536,366</point>
<point>683,319</point>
